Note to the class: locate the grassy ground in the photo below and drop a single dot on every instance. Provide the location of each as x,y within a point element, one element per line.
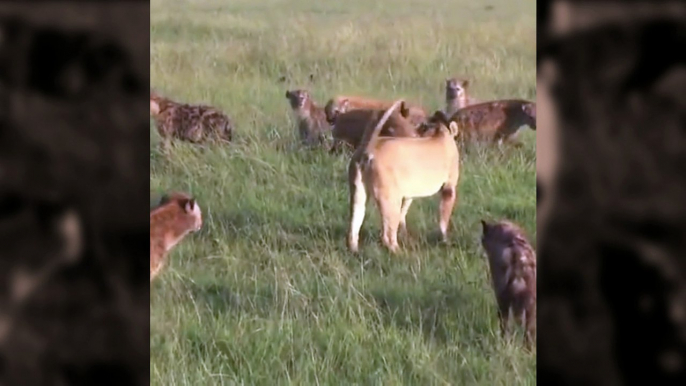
<point>266,293</point>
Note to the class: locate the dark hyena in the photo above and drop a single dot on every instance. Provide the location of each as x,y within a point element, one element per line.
<point>313,127</point>
<point>512,263</point>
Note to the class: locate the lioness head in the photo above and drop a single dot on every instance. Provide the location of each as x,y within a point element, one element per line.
<point>298,99</point>
<point>334,108</point>
<point>436,123</point>
<point>455,87</point>
<point>432,128</point>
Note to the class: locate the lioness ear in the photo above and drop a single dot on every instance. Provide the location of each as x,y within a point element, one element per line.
<point>404,110</point>
<point>453,128</point>
<point>465,83</point>
<point>288,94</point>
<point>344,105</point>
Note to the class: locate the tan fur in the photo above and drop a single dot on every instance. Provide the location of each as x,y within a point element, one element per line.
<point>313,128</point>
<point>394,171</point>
<point>457,95</point>
<point>177,215</point>
<point>495,121</point>
<point>512,263</point>
<point>341,104</point>
<point>350,126</point>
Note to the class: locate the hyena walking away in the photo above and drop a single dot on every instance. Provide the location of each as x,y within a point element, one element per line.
<point>512,262</point>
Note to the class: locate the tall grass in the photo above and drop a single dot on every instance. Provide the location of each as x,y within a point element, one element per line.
<point>266,292</point>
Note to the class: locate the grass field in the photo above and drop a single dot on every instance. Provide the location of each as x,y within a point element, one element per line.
<point>266,292</point>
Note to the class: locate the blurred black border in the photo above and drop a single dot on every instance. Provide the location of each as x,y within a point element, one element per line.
<point>74,144</point>
<point>612,283</point>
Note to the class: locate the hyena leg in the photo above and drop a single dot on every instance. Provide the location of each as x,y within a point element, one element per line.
<point>513,140</point>
<point>530,329</point>
<point>165,145</point>
<point>154,271</point>
<point>448,199</point>
<point>336,147</point>
<point>403,214</point>
<point>358,204</point>
<point>390,209</point>
<point>504,314</point>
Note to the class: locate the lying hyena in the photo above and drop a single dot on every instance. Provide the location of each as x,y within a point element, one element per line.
<point>186,122</point>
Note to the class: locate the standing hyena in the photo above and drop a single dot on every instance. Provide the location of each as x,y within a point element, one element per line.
<point>513,273</point>
<point>192,123</point>
<point>313,127</point>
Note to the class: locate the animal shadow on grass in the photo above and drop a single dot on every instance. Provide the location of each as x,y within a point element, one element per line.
<point>220,299</point>
<point>432,310</point>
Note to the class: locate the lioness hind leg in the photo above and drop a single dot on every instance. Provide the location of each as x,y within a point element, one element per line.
<point>403,214</point>
<point>358,204</point>
<point>390,210</point>
<point>448,199</point>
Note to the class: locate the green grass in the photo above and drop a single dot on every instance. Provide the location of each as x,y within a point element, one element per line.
<point>266,292</point>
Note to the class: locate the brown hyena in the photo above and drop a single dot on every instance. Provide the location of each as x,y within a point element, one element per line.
<point>495,121</point>
<point>176,216</point>
<point>512,263</point>
<point>457,95</point>
<point>186,122</point>
<point>313,127</point>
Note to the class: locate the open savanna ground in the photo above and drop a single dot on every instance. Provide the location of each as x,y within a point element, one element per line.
<point>266,293</point>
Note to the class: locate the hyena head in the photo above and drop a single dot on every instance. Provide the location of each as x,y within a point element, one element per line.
<point>155,100</point>
<point>298,99</point>
<point>529,110</point>
<point>455,88</point>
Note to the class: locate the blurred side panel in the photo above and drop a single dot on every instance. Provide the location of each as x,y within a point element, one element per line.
<point>612,193</point>
<point>74,179</point>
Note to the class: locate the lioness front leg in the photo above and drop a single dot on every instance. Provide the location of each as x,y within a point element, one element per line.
<point>403,215</point>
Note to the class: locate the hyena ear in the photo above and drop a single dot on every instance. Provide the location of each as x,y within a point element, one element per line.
<point>288,94</point>
<point>189,205</point>
<point>164,199</point>
<point>484,226</point>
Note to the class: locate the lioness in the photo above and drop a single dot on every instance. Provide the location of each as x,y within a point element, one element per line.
<point>350,126</point>
<point>397,170</point>
<point>342,104</point>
